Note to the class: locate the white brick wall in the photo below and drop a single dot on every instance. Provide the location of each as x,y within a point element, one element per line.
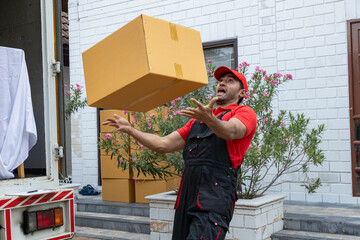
<point>306,38</point>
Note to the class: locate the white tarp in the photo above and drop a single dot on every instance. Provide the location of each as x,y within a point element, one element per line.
<point>17,124</point>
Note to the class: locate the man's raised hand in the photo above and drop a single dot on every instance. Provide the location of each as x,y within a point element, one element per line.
<point>121,124</point>
<point>201,113</point>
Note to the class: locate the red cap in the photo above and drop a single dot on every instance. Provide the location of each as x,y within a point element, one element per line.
<point>222,70</point>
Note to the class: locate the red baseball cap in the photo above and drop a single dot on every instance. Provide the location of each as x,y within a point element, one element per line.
<point>222,70</point>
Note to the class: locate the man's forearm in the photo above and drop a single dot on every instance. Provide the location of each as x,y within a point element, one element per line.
<point>151,141</point>
<point>226,129</point>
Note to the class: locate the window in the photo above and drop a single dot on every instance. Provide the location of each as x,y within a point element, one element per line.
<point>223,53</point>
<point>354,98</point>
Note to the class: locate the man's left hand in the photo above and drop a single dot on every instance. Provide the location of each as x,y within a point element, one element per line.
<point>201,113</point>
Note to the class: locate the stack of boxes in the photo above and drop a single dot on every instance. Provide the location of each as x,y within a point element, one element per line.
<point>122,186</point>
<point>117,185</point>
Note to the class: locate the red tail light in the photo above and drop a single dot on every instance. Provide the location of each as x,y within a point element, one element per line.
<point>42,219</point>
<point>45,219</point>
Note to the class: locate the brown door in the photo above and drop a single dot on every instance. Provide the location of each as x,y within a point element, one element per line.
<point>354,104</point>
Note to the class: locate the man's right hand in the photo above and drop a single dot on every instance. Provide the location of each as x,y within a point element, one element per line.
<point>118,122</point>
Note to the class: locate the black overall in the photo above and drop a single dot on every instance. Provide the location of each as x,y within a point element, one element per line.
<point>208,190</point>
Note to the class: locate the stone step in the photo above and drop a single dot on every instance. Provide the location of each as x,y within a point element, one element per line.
<point>107,234</point>
<point>322,223</point>
<point>303,235</point>
<point>134,224</point>
<point>99,206</point>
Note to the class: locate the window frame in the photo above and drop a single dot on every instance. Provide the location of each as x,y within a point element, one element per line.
<point>224,43</point>
<point>354,169</point>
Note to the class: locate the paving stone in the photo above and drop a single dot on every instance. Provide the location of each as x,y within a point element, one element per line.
<point>302,235</point>
<point>83,233</point>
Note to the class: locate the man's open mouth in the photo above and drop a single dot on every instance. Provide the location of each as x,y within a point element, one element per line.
<point>220,92</point>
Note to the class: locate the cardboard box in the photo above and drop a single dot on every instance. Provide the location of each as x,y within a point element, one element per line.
<point>118,190</point>
<point>144,64</point>
<point>109,169</point>
<point>145,188</point>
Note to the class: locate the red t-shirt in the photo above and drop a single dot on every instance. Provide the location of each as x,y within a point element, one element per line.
<point>237,147</point>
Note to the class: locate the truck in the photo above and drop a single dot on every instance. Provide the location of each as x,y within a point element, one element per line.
<point>37,207</point>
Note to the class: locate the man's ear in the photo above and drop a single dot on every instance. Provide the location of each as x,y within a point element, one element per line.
<point>241,93</point>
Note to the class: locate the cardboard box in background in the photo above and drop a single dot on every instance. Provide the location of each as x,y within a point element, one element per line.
<point>109,169</point>
<point>143,65</point>
<point>118,190</point>
<point>145,188</point>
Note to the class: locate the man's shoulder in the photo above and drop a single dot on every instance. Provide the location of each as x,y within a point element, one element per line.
<point>243,108</point>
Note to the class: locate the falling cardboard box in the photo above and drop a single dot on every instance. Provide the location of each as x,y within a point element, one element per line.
<point>143,65</point>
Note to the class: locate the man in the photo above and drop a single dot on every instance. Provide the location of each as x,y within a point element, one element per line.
<point>214,142</point>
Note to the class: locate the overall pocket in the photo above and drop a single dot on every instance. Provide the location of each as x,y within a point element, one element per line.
<point>214,193</point>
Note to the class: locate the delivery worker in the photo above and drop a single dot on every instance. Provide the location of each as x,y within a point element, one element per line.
<point>214,142</point>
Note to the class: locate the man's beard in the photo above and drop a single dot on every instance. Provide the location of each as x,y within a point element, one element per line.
<point>220,102</point>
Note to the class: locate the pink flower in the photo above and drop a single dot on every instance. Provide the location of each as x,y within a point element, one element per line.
<point>117,140</point>
<point>176,112</point>
<point>257,68</point>
<point>141,146</point>
<point>243,64</point>
<point>149,126</point>
<point>266,95</point>
<point>68,92</point>
<point>171,116</point>
<point>133,178</point>
<point>289,76</point>
<point>283,124</point>
<point>125,112</point>
<point>210,61</point>
<point>264,120</point>
<point>177,99</point>
<point>210,96</point>
<point>78,89</point>
<point>166,116</point>
<point>286,139</point>
<point>135,119</point>
<point>151,116</point>
<point>65,85</point>
<point>250,147</point>
<point>257,147</point>
<point>107,136</point>
<point>78,85</point>
<point>134,159</point>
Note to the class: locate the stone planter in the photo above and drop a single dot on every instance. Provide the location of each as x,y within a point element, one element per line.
<point>253,219</point>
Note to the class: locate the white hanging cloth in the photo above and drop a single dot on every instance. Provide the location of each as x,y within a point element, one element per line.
<point>17,123</point>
